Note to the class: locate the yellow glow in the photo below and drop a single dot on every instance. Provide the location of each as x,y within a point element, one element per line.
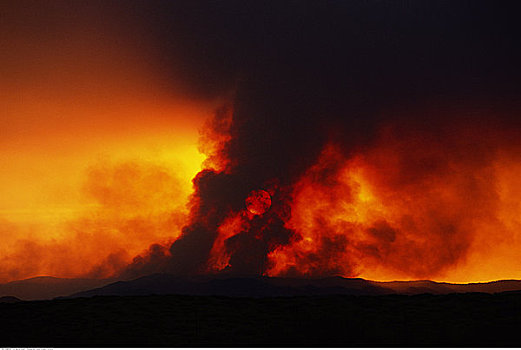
<point>97,148</point>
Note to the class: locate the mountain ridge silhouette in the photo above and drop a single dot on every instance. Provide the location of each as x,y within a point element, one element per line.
<point>47,287</point>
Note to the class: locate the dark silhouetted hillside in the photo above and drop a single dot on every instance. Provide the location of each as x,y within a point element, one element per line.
<point>164,284</point>
<point>45,287</point>
<point>419,287</point>
<point>9,299</point>
<point>472,319</point>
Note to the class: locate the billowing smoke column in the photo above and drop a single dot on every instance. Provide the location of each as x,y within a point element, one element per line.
<point>376,128</point>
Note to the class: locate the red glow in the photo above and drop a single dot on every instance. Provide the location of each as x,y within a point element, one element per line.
<point>410,207</point>
<point>258,202</point>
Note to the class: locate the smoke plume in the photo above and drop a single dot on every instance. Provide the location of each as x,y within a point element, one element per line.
<point>371,138</point>
<point>376,127</point>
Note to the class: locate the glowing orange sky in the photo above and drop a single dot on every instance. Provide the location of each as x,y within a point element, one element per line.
<point>78,96</point>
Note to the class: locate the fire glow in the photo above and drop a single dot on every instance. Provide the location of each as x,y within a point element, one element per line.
<point>406,208</point>
<point>196,144</point>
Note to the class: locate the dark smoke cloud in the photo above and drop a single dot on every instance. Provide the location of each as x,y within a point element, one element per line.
<point>309,72</point>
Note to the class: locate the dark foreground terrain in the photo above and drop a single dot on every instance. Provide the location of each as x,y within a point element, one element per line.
<point>474,319</point>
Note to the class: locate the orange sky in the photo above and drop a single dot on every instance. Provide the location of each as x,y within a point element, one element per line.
<point>78,97</point>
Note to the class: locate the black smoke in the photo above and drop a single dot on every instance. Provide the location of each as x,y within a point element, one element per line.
<point>304,73</point>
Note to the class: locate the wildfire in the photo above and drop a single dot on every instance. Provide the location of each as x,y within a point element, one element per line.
<point>406,209</point>
<point>187,142</point>
<point>410,207</point>
<point>258,202</point>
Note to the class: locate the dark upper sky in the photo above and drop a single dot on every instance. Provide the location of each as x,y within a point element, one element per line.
<point>375,48</point>
<point>304,71</point>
